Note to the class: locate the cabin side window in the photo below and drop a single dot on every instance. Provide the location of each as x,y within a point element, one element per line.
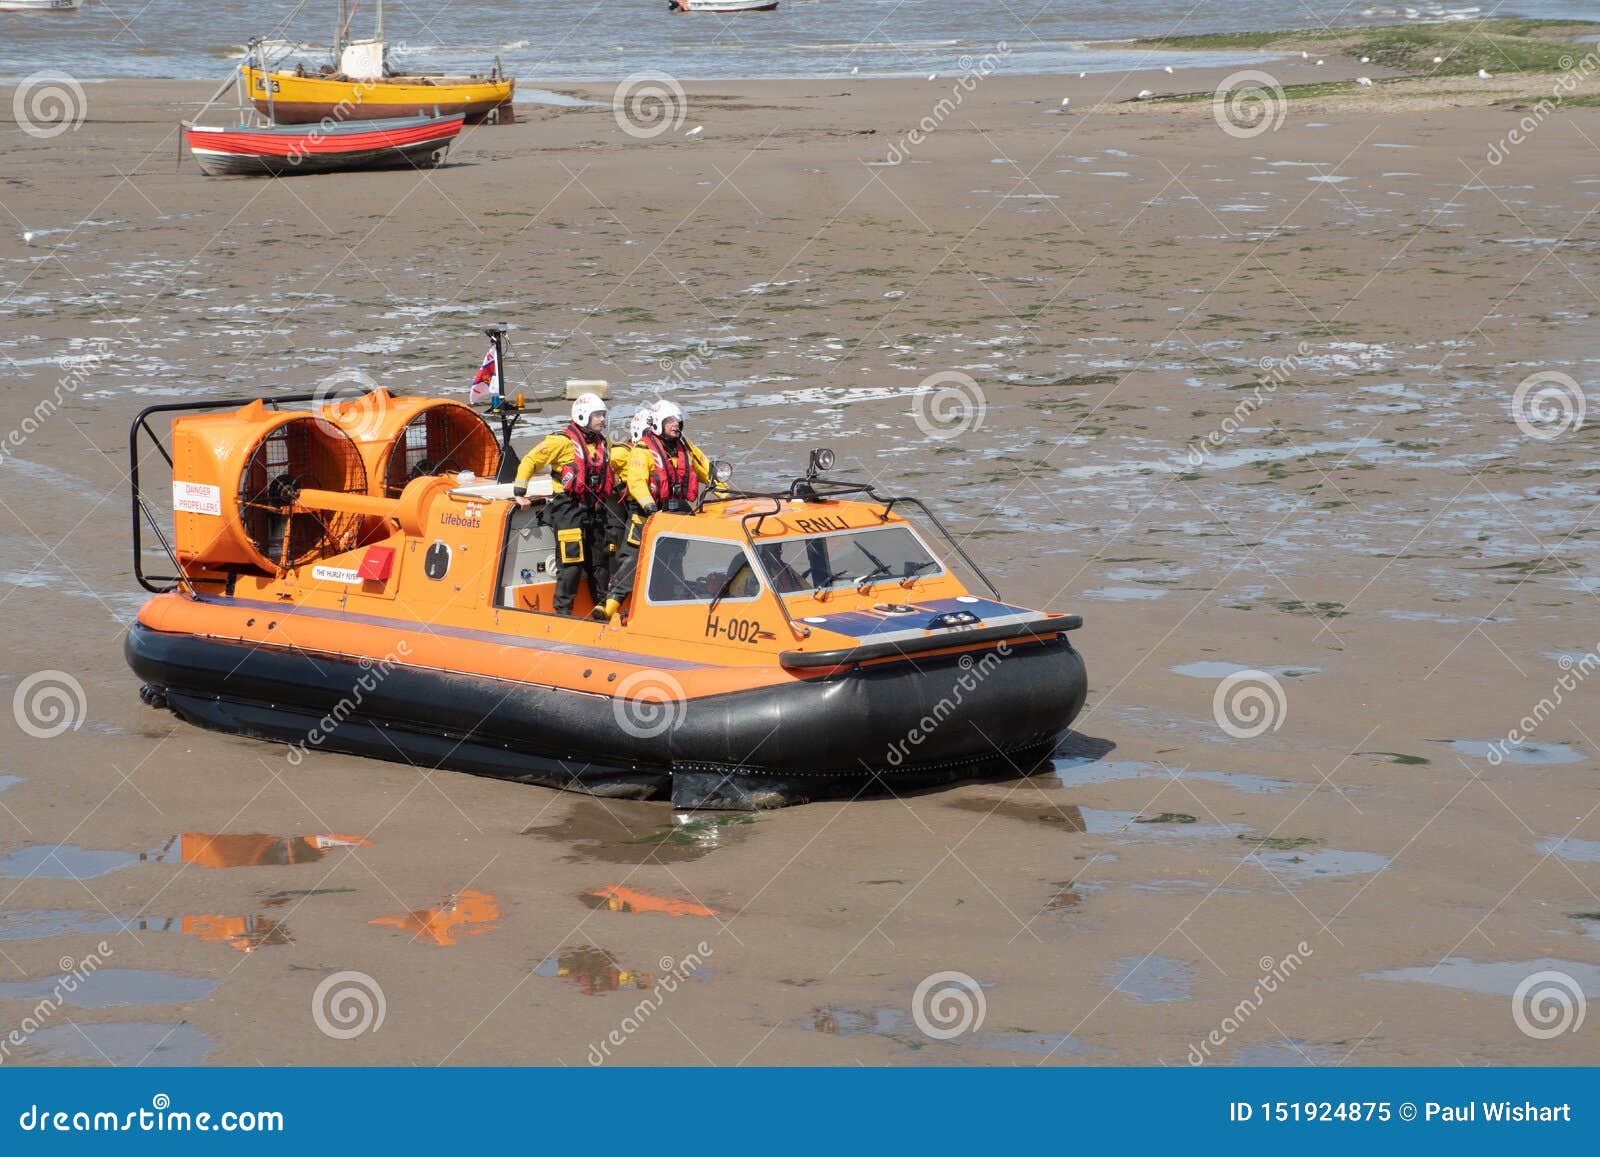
<point>698,570</point>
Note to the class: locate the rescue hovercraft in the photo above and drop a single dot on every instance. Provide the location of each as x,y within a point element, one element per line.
<point>345,580</point>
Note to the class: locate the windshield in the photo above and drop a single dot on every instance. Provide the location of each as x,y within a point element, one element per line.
<point>847,558</point>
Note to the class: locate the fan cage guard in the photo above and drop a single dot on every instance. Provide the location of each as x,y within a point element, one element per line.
<point>443,439</point>
<point>301,454</point>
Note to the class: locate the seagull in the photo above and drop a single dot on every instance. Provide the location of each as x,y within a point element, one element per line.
<point>1438,60</point>
<point>1145,94</point>
<point>27,238</point>
<point>696,131</point>
<point>1065,101</point>
<point>1484,74</point>
<point>855,70</point>
<point>1305,56</point>
<point>1319,63</point>
<point>1167,70</point>
<point>1081,75</point>
<point>1366,60</point>
<point>1364,80</point>
<point>933,76</point>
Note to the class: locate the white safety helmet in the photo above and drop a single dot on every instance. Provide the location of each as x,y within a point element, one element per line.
<point>586,407</point>
<point>662,412</point>
<point>640,422</point>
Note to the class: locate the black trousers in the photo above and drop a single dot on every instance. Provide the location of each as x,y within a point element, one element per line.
<point>627,559</point>
<point>583,550</point>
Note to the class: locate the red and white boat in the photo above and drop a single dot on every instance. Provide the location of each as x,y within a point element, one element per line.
<point>721,5</point>
<point>282,150</point>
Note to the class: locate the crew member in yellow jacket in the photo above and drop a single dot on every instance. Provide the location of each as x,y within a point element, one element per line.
<point>579,461</point>
<point>665,471</point>
<point>617,501</point>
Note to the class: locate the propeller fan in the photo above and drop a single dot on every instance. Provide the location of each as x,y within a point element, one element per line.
<point>301,454</point>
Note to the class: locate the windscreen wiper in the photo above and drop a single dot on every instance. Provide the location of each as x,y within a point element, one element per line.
<point>727,588</point>
<point>865,580</point>
<point>914,569</point>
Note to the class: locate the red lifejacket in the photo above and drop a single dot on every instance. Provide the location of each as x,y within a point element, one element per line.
<point>672,476</point>
<point>588,477</point>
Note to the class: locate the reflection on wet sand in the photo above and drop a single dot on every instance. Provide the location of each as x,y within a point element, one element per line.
<point>626,832</point>
<point>467,913</point>
<point>64,862</point>
<point>1152,979</point>
<point>70,862</point>
<point>121,1043</point>
<point>617,898</point>
<point>1500,977</point>
<point>38,923</point>
<point>1063,817</point>
<point>1065,896</point>
<point>279,899</point>
<point>111,988</point>
<point>254,850</point>
<point>244,933</point>
<point>898,1026</point>
<point>593,970</point>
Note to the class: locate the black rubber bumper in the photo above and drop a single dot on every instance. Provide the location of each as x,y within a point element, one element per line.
<point>990,713</point>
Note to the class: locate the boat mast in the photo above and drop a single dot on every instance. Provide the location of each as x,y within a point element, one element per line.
<point>339,31</point>
<point>261,71</point>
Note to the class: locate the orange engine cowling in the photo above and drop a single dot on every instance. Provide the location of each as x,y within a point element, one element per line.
<point>406,438</point>
<point>235,480</point>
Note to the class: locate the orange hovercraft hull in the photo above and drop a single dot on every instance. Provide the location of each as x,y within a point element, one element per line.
<point>440,654</point>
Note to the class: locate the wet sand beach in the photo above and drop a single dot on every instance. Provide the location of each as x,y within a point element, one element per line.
<point>1245,402</point>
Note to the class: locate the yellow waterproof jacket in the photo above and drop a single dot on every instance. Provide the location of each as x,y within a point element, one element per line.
<point>552,454</point>
<point>642,463</point>
<point>620,457</point>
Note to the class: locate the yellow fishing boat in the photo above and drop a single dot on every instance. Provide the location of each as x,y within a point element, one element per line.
<point>359,85</point>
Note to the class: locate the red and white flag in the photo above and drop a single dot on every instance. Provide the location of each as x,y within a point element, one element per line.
<point>487,382</point>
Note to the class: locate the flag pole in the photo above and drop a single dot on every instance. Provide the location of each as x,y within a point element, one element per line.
<point>508,410</point>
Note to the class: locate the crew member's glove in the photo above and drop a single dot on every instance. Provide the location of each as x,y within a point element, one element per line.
<point>649,510</point>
